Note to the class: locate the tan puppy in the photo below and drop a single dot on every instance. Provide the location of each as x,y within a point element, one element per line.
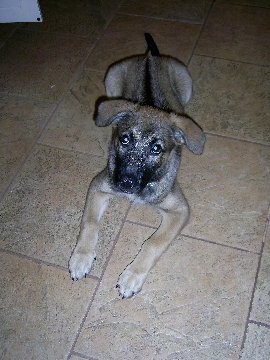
<point>148,94</point>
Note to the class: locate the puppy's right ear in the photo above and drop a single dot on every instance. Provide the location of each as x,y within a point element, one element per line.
<point>113,111</point>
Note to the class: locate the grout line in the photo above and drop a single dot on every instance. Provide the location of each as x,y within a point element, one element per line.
<point>244,5</point>
<point>74,151</point>
<point>42,262</point>
<point>76,353</point>
<point>101,71</point>
<point>142,224</point>
<point>255,281</point>
<point>62,33</point>
<point>251,301</point>
<point>196,238</point>
<point>37,98</point>
<point>200,32</point>
<point>221,244</point>
<point>236,139</point>
<point>231,60</point>
<point>259,323</point>
<point>267,226</point>
<point>182,20</point>
<point>99,282</point>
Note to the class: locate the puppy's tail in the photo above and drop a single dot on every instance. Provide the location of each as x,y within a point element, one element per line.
<point>152,46</point>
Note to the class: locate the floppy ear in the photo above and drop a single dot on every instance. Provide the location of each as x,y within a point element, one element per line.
<point>187,132</point>
<point>112,111</point>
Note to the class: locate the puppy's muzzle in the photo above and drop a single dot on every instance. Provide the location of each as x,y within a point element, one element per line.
<point>128,184</point>
<point>128,178</point>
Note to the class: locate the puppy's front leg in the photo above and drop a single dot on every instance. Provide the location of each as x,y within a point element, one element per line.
<point>84,253</point>
<point>132,279</point>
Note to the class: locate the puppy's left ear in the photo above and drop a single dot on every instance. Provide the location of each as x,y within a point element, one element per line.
<point>187,132</point>
<point>113,111</point>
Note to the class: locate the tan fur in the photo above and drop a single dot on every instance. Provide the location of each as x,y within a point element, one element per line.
<point>171,79</point>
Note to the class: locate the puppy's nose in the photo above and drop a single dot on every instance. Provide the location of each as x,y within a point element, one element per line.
<point>127,183</point>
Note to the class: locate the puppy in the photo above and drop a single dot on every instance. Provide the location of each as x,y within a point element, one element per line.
<point>145,106</point>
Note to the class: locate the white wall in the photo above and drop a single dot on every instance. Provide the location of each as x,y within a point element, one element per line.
<point>20,11</point>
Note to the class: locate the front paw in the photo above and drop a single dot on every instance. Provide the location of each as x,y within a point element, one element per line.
<point>130,282</point>
<point>80,264</point>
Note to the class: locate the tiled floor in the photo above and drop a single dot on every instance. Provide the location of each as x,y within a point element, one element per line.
<point>209,295</point>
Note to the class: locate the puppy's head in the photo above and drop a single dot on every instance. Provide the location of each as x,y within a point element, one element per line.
<point>145,144</point>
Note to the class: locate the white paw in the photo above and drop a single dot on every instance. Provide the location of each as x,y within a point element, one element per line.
<point>80,264</point>
<point>130,282</point>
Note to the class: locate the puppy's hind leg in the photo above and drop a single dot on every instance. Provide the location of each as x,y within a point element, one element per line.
<point>84,253</point>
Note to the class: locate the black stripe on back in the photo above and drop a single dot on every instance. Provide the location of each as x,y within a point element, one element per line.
<point>148,95</point>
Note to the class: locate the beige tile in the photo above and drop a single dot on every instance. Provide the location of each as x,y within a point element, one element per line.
<point>194,11</point>
<point>21,120</point>
<point>40,216</point>
<point>236,33</point>
<point>72,126</point>
<point>5,31</point>
<point>83,18</point>
<point>261,303</point>
<point>193,305</point>
<point>257,345</point>
<point>40,64</point>
<point>41,309</point>
<point>231,98</point>
<point>125,37</point>
<point>228,191</point>
<point>88,88</point>
<point>144,214</point>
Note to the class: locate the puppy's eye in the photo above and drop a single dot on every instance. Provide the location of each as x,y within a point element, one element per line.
<point>124,140</point>
<point>156,149</point>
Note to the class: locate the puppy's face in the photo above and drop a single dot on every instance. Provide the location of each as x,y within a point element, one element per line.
<point>139,154</point>
<point>145,153</point>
